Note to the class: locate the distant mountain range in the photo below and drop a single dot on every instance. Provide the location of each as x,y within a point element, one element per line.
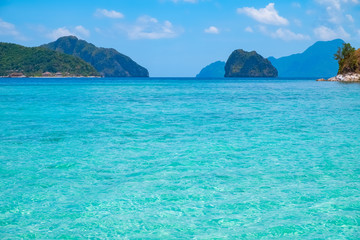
<point>316,61</point>
<point>35,61</point>
<point>107,61</point>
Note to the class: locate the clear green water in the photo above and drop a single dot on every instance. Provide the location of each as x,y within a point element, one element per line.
<point>179,158</point>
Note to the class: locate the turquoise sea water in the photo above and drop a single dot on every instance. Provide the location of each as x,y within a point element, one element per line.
<point>179,159</point>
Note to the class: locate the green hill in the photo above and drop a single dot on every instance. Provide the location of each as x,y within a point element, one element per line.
<point>107,61</point>
<point>248,64</point>
<point>34,61</point>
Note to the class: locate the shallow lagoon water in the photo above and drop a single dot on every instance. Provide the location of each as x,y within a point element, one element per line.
<point>179,158</point>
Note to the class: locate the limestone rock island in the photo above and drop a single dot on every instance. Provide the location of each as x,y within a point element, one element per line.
<point>248,64</point>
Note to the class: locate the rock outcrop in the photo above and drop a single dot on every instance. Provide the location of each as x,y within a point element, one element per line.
<point>248,64</point>
<point>107,61</point>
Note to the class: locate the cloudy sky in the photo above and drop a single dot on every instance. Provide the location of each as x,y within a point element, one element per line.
<point>179,37</point>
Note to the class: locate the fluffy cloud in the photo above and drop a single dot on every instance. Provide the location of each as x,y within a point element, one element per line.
<point>336,4</point>
<point>60,32</point>
<point>82,31</point>
<point>249,29</point>
<point>325,33</point>
<point>212,30</point>
<point>267,15</point>
<point>334,9</point>
<point>108,13</point>
<point>8,29</point>
<point>147,27</point>
<point>288,35</point>
<point>349,18</point>
<point>296,5</point>
<point>79,31</point>
<point>284,34</point>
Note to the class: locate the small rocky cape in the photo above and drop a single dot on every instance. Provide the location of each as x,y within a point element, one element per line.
<point>348,77</point>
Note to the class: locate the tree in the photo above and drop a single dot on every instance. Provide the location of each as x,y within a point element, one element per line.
<point>346,58</point>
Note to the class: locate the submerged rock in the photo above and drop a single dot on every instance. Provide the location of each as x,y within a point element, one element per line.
<point>248,64</point>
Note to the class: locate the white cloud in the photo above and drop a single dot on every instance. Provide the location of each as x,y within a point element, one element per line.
<point>98,30</point>
<point>249,29</point>
<point>108,13</point>
<point>288,35</point>
<point>335,9</point>
<point>147,27</point>
<point>267,15</point>
<point>296,5</point>
<point>325,33</point>
<point>60,32</point>
<point>350,18</point>
<point>78,31</point>
<point>212,30</point>
<point>283,34</point>
<point>8,29</point>
<point>336,4</point>
<point>82,31</point>
<point>298,22</point>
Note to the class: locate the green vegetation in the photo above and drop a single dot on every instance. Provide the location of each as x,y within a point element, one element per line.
<point>34,61</point>
<point>248,64</point>
<point>348,59</point>
<point>107,61</point>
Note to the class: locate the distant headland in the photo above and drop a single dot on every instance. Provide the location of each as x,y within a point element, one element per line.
<point>66,57</point>
<point>107,61</point>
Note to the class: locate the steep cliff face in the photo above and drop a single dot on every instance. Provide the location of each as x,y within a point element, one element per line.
<point>107,61</point>
<point>248,64</point>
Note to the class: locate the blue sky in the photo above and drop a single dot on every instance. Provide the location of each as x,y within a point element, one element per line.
<point>179,37</point>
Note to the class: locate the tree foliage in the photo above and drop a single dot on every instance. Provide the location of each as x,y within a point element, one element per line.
<point>35,61</point>
<point>347,59</point>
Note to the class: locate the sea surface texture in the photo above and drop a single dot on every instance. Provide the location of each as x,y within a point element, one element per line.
<point>179,159</point>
